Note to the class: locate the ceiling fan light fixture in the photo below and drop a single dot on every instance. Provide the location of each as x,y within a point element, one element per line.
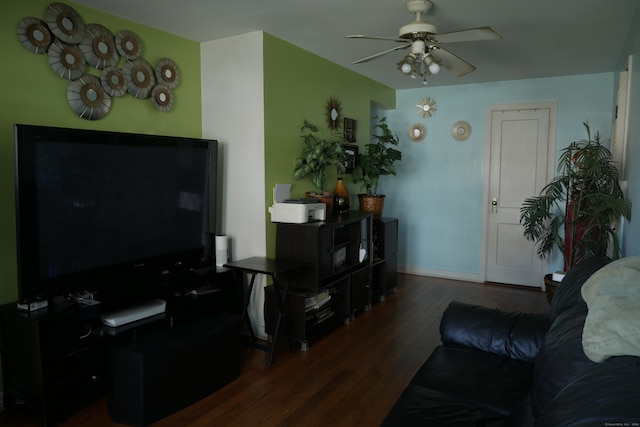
<point>407,64</point>
<point>422,38</point>
<point>431,64</point>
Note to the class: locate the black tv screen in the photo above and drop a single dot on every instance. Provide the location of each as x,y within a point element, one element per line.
<point>110,212</point>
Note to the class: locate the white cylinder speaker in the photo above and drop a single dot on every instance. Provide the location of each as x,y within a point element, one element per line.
<point>222,250</point>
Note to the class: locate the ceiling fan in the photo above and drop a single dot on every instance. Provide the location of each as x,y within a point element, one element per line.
<point>427,56</point>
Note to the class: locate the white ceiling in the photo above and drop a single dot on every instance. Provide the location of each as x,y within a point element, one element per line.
<point>541,38</point>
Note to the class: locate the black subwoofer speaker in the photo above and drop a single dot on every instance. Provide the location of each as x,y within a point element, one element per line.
<point>160,373</point>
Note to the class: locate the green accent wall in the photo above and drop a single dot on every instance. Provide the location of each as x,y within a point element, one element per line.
<point>34,94</point>
<point>298,85</point>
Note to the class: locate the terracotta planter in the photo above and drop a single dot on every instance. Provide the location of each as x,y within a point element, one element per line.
<point>373,204</point>
<point>324,197</point>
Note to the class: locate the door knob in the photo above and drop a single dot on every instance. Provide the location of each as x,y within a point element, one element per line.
<point>494,205</point>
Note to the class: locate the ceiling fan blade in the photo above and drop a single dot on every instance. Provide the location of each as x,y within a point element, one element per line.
<point>451,62</point>
<point>473,34</point>
<point>377,55</point>
<point>360,36</point>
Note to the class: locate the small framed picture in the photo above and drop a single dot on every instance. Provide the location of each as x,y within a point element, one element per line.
<point>351,159</point>
<point>350,129</point>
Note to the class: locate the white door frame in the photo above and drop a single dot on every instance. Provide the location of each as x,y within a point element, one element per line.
<point>551,166</point>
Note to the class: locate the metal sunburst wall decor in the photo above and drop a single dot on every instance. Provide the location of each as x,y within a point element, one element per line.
<point>417,132</point>
<point>98,47</point>
<point>334,113</point>
<point>34,34</point>
<point>74,49</point>
<point>426,107</point>
<point>88,98</point>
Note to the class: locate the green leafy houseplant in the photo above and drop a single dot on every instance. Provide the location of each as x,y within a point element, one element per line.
<point>378,159</point>
<point>317,154</point>
<point>578,210</point>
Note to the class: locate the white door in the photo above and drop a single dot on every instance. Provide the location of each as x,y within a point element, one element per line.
<point>522,153</point>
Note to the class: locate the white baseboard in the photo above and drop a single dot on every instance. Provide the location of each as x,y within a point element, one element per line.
<point>442,274</point>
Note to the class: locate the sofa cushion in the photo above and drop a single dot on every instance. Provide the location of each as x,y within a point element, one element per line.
<point>605,394</point>
<point>420,406</point>
<point>568,293</point>
<point>561,357</point>
<point>513,334</point>
<point>476,377</point>
<point>612,326</point>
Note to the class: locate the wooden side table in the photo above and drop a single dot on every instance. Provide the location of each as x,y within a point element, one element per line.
<point>275,269</point>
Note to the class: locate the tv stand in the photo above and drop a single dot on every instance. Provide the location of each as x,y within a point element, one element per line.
<point>56,361</point>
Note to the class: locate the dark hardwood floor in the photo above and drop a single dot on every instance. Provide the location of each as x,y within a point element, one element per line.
<point>351,377</point>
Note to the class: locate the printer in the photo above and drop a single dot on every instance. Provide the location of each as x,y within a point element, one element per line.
<point>298,211</point>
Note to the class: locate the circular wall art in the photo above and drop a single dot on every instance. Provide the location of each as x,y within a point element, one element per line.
<point>66,60</point>
<point>128,44</point>
<point>426,107</point>
<point>140,78</point>
<point>73,47</point>
<point>98,47</point>
<point>162,98</point>
<point>460,130</point>
<point>167,73</point>
<point>88,98</point>
<point>334,113</point>
<point>417,132</point>
<point>113,81</point>
<point>65,23</point>
<point>34,34</point>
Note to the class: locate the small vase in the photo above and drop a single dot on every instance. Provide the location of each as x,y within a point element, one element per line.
<point>341,197</point>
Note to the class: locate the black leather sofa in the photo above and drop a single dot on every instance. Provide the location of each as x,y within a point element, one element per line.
<point>496,368</point>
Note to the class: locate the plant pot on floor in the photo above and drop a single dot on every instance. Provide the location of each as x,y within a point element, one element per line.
<point>550,287</point>
<point>372,203</point>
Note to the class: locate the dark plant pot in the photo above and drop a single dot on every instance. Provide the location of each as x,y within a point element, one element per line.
<point>324,197</point>
<point>374,204</point>
<point>550,287</point>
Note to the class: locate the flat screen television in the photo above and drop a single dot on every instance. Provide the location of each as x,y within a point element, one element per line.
<point>110,212</point>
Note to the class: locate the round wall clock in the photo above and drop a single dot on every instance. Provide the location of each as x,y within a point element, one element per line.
<point>334,113</point>
<point>461,130</point>
<point>426,107</point>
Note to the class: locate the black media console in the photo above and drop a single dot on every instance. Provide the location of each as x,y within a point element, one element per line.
<point>58,361</point>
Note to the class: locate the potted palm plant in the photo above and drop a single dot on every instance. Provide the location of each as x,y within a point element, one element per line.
<point>317,154</point>
<point>377,160</point>
<point>578,210</point>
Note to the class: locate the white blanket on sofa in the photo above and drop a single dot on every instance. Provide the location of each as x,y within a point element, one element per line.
<point>612,326</point>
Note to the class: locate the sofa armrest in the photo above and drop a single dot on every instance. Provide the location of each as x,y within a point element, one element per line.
<point>515,335</point>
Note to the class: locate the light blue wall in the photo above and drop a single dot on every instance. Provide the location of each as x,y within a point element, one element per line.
<point>631,241</point>
<point>438,192</point>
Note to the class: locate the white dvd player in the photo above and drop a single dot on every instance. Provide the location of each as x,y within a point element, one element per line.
<point>134,313</point>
